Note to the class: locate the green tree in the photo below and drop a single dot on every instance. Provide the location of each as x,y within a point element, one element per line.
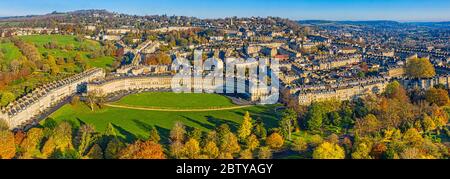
<point>287,123</point>
<point>95,152</point>
<point>314,117</point>
<point>85,138</point>
<point>114,146</point>
<point>7,97</point>
<point>154,135</point>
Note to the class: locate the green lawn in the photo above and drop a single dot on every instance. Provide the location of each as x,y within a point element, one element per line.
<point>134,124</point>
<point>176,100</point>
<point>62,40</point>
<point>10,52</point>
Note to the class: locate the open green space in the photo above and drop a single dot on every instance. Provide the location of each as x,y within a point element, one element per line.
<point>10,52</point>
<point>68,40</point>
<point>176,100</point>
<point>135,124</point>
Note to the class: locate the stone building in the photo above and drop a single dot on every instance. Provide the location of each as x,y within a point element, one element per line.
<point>343,91</point>
<point>28,108</point>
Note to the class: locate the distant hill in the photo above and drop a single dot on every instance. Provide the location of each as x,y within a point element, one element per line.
<point>386,23</point>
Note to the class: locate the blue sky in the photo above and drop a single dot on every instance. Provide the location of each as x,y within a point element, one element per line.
<point>400,10</point>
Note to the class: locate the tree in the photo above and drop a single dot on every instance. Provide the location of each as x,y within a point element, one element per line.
<point>7,145</point>
<point>230,144</point>
<point>368,125</point>
<point>178,132</point>
<point>31,144</point>
<point>420,68</point>
<point>95,152</point>
<point>299,145</point>
<point>260,131</point>
<point>275,141</point>
<point>264,153</point>
<point>114,146</point>
<point>246,154</point>
<point>428,123</point>
<point>192,149</point>
<point>143,150</point>
<point>85,138</point>
<point>196,134</point>
<point>395,90</point>
<point>314,117</point>
<point>176,149</point>
<point>287,123</point>
<point>413,137</point>
<point>246,127</point>
<point>154,135</point>
<point>252,142</point>
<point>211,150</point>
<point>362,151</point>
<point>7,97</point>
<point>437,96</point>
<point>328,150</point>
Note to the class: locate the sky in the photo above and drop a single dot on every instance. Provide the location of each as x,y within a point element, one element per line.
<point>398,10</point>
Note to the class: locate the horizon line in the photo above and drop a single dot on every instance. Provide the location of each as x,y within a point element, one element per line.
<point>298,19</point>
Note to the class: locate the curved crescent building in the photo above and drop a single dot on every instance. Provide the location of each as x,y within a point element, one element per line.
<point>28,108</point>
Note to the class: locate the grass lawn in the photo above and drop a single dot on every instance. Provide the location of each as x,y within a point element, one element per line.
<point>176,100</point>
<point>62,40</point>
<point>133,124</point>
<point>10,52</point>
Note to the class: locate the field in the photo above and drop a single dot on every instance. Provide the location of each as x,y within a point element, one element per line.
<point>10,52</point>
<point>63,40</point>
<point>133,123</point>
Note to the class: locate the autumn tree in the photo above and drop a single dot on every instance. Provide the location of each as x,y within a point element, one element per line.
<point>299,145</point>
<point>31,144</point>
<point>246,154</point>
<point>143,150</point>
<point>362,151</point>
<point>252,142</point>
<point>328,150</point>
<point>178,132</point>
<point>230,144</point>
<point>192,149</point>
<point>7,144</point>
<point>420,68</point>
<point>246,127</point>
<point>437,96</point>
<point>275,141</point>
<point>211,150</point>
<point>264,153</point>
